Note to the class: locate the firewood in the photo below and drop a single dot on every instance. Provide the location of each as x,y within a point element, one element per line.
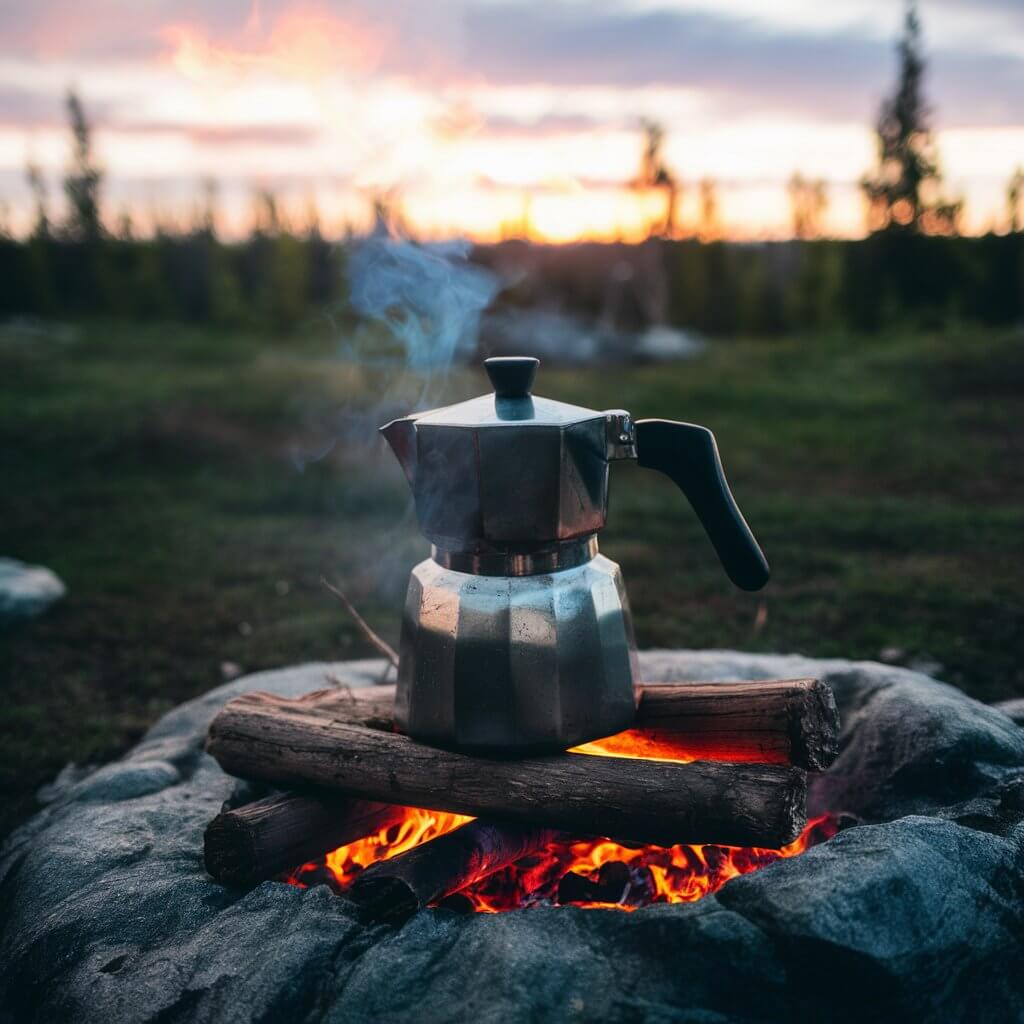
<point>300,742</point>
<point>262,839</point>
<point>772,721</point>
<point>393,890</point>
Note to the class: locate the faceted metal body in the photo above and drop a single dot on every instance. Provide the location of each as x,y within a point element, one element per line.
<point>516,662</point>
<point>516,633</point>
<point>498,471</point>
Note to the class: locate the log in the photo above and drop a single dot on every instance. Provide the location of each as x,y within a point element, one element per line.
<point>261,840</point>
<point>296,742</point>
<point>393,890</point>
<point>771,721</point>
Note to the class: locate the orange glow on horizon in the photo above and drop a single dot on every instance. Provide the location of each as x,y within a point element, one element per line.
<point>323,105</point>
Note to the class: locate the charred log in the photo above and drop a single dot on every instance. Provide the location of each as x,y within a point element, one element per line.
<point>260,840</point>
<point>774,721</point>
<point>393,890</point>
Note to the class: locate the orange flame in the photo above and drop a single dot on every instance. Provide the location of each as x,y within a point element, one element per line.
<point>654,745</point>
<point>656,874</point>
<point>345,863</point>
<point>650,874</point>
<point>584,872</point>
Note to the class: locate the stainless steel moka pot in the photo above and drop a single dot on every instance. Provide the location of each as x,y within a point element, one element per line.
<point>516,633</point>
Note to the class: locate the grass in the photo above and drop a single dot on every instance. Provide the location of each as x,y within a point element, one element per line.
<point>156,470</point>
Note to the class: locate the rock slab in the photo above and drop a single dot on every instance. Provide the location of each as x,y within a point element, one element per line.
<point>915,915</point>
<point>26,590</point>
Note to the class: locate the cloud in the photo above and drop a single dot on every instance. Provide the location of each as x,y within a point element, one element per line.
<point>740,64</point>
<point>1010,11</point>
<point>252,134</point>
<point>25,108</point>
<point>462,121</point>
<point>225,134</point>
<point>743,63</point>
<point>106,29</point>
<point>253,31</point>
<point>34,108</point>
<point>548,125</point>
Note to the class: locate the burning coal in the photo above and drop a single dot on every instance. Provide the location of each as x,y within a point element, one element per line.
<point>570,870</point>
<point>581,872</point>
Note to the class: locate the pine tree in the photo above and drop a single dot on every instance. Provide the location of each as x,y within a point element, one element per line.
<point>37,186</point>
<point>1015,201</point>
<point>904,194</point>
<point>39,249</point>
<point>83,179</point>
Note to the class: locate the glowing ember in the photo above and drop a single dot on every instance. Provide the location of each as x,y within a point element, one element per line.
<point>654,745</point>
<point>586,872</point>
<point>583,872</point>
<point>598,872</point>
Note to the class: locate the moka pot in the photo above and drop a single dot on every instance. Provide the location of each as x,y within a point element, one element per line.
<point>516,633</point>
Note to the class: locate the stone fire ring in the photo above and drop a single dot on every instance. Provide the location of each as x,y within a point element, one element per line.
<point>916,915</point>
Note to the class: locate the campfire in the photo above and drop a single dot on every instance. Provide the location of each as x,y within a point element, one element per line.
<point>517,658</point>
<point>583,873</point>
<point>708,785</point>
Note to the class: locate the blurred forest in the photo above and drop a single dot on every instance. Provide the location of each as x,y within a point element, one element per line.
<point>913,269</point>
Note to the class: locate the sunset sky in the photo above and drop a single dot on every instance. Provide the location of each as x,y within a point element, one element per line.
<point>487,116</point>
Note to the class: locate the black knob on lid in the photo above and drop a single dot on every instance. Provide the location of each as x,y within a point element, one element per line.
<point>512,376</point>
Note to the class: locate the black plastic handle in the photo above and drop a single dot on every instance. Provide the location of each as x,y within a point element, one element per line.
<point>688,455</point>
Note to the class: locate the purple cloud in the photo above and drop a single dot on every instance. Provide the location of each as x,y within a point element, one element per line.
<point>742,63</point>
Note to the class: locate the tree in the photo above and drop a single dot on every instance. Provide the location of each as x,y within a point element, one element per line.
<point>125,229</point>
<point>708,226</point>
<point>809,201</point>
<point>39,248</point>
<point>1015,201</point>
<point>904,193</point>
<point>37,186</point>
<point>654,173</point>
<point>83,178</point>
<point>206,214</point>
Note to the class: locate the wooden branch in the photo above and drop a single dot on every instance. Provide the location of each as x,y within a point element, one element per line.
<point>260,840</point>
<point>375,639</point>
<point>295,742</point>
<point>772,721</point>
<point>393,890</point>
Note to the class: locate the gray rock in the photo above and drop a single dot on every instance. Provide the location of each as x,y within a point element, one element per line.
<point>26,590</point>
<point>1012,709</point>
<point>662,344</point>
<point>916,915</point>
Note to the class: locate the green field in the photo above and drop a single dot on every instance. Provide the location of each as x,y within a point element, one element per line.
<point>155,470</point>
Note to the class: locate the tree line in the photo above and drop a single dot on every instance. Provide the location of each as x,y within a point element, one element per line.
<point>914,266</point>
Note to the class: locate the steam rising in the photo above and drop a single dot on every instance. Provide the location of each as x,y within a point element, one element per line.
<point>418,310</point>
<point>429,299</point>
<point>412,311</point>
